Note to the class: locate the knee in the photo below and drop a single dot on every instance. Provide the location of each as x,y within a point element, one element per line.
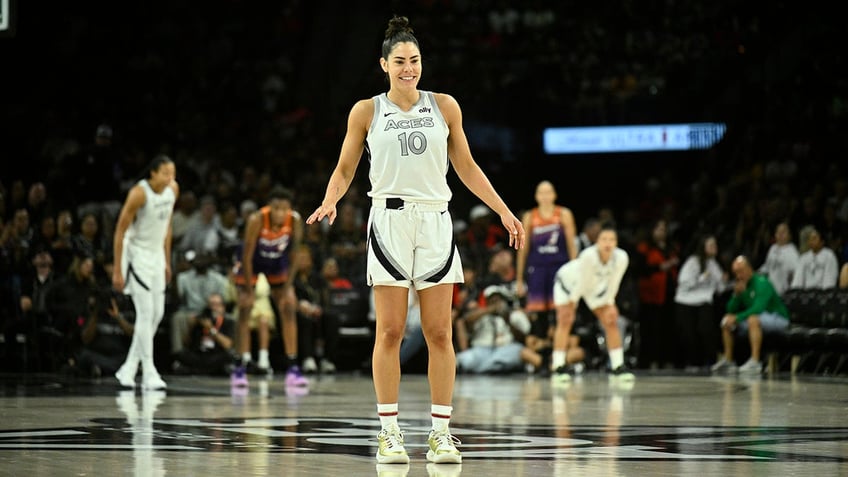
<point>391,334</point>
<point>438,337</point>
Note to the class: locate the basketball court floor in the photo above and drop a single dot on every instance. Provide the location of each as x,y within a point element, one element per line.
<point>509,426</point>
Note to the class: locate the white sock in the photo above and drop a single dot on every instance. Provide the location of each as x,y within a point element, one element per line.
<point>388,415</point>
<point>245,357</point>
<point>263,358</point>
<point>558,359</point>
<point>441,417</point>
<point>616,357</point>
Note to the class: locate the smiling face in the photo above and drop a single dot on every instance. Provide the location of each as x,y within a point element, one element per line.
<point>403,66</point>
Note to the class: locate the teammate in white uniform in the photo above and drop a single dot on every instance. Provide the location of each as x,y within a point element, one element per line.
<point>142,247</point>
<point>594,276</point>
<point>412,138</point>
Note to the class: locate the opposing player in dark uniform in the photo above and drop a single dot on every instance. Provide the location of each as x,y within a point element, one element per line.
<point>270,235</point>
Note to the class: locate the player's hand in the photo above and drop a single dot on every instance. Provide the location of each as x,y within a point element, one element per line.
<point>515,230</point>
<point>322,211</point>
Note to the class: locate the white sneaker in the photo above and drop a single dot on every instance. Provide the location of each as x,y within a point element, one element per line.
<point>723,366</point>
<point>153,383</point>
<point>390,449</point>
<point>443,448</point>
<point>327,366</point>
<point>751,367</point>
<point>125,379</point>
<point>309,366</point>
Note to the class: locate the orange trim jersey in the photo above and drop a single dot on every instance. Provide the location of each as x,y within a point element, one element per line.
<point>271,255</point>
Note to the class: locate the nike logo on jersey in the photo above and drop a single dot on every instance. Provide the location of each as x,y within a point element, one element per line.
<point>387,114</point>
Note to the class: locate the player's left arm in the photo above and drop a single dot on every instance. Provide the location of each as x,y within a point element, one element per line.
<point>296,241</point>
<point>470,173</point>
<point>169,235</point>
<point>567,220</point>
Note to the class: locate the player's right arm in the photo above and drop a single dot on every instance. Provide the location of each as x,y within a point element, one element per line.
<point>251,236</point>
<point>358,122</point>
<point>134,201</point>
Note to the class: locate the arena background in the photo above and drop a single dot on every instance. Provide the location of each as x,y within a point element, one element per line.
<point>269,84</point>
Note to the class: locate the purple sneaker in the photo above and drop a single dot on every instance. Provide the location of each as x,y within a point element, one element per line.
<point>295,378</point>
<point>238,379</point>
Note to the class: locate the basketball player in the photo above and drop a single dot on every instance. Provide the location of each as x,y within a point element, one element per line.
<point>594,276</point>
<point>551,230</point>
<point>270,235</point>
<point>142,268</point>
<point>412,137</point>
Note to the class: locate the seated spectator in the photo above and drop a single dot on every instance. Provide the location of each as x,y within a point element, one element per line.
<point>754,309</point>
<point>89,240</point>
<point>105,337</point>
<point>208,343</point>
<point>68,306</point>
<point>312,323</point>
<point>201,235</point>
<point>497,335</point>
<point>193,289</point>
<point>781,259</point>
<point>817,267</point>
<point>35,287</point>
<point>539,346</point>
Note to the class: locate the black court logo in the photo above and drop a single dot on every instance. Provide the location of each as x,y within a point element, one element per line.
<point>357,437</point>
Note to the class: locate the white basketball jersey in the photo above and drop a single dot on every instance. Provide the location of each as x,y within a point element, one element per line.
<point>408,151</point>
<point>152,219</point>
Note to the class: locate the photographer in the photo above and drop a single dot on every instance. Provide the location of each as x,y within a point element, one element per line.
<point>105,337</point>
<point>497,333</point>
<point>208,344</point>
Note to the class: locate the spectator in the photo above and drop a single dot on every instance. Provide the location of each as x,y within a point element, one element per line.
<point>313,325</point>
<point>656,269</point>
<point>208,343</point>
<point>589,234</point>
<point>68,305</point>
<point>754,309</point>
<point>483,234</point>
<point>202,234</point>
<point>781,259</point>
<point>193,288</point>
<point>347,241</point>
<point>497,335</point>
<point>539,346</point>
<point>98,173</point>
<point>699,280</point>
<point>89,241</point>
<point>105,337</point>
<point>817,267</point>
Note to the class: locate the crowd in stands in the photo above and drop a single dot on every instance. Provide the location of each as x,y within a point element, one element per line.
<point>228,95</point>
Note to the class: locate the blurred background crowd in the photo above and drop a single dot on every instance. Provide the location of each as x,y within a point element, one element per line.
<point>248,95</point>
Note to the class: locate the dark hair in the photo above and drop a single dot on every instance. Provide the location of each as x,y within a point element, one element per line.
<point>700,251</point>
<point>279,192</point>
<point>398,31</point>
<point>156,163</point>
<point>608,225</point>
